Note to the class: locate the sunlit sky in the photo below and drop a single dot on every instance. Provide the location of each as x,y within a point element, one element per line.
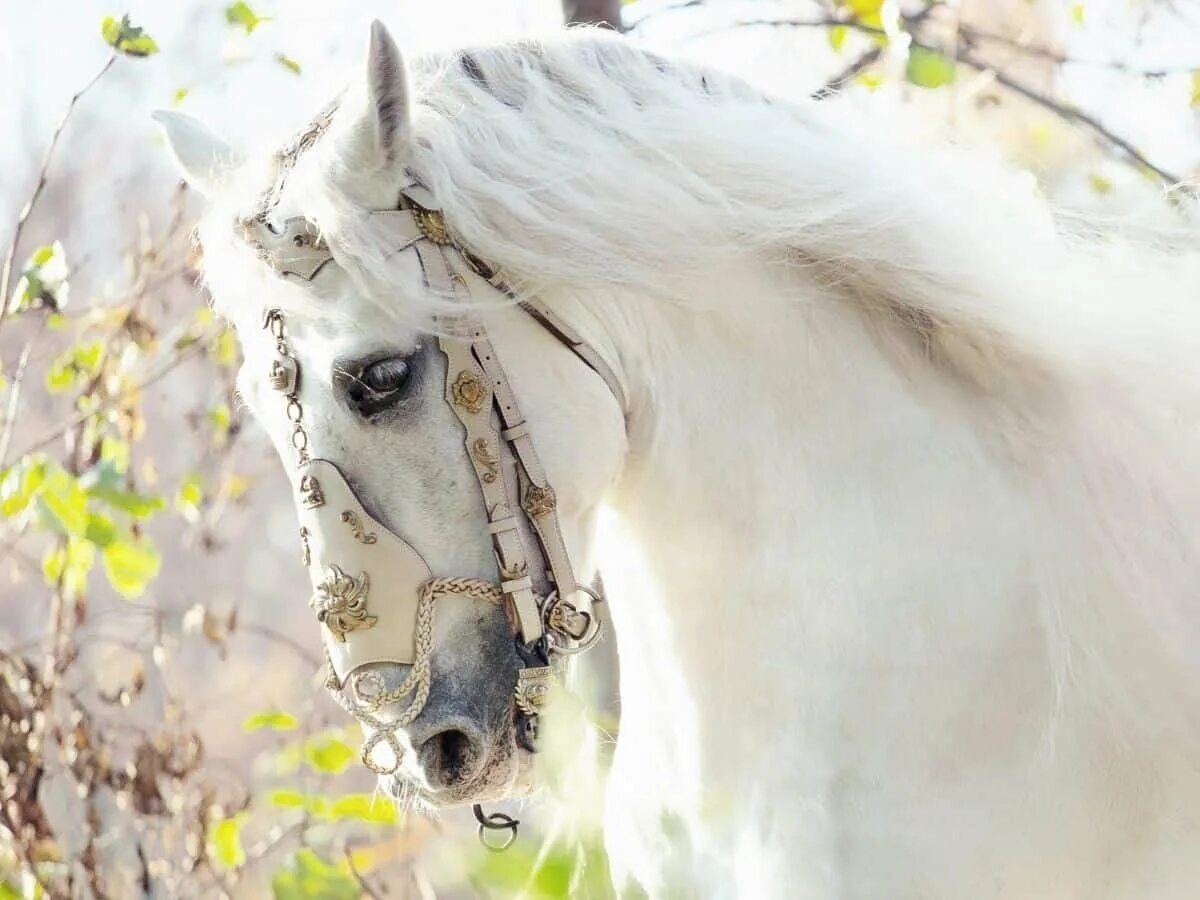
<point>47,50</point>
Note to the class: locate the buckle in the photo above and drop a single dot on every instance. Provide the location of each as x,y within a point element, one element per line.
<point>571,629</point>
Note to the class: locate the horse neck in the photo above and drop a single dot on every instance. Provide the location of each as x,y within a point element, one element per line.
<point>788,490</point>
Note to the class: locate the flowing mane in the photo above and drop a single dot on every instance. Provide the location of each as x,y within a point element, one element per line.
<point>587,162</point>
<point>1054,374</point>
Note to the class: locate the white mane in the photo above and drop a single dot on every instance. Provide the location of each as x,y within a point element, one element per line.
<point>586,166</point>
<point>587,162</point>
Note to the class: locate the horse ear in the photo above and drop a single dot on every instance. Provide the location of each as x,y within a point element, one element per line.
<point>203,157</point>
<point>380,130</point>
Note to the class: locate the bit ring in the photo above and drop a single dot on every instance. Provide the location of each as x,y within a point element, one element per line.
<point>557,639</point>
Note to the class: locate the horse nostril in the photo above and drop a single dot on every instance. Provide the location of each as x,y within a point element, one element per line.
<point>449,757</point>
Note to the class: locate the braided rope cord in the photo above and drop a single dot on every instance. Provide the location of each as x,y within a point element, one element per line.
<point>416,683</point>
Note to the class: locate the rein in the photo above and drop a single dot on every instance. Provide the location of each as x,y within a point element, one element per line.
<point>374,595</point>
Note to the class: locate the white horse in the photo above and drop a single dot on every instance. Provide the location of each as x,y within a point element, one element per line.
<point>913,478</point>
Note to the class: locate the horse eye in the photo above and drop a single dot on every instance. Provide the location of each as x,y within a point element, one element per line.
<point>378,386</point>
<point>385,375</point>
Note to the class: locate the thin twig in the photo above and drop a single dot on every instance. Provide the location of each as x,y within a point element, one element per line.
<point>43,175</point>
<point>973,34</point>
<point>183,355</point>
<point>1063,110</point>
<point>271,634</point>
<point>835,84</point>
<point>14,390</point>
<point>362,881</point>
<point>866,60</point>
<point>658,12</point>
<point>1070,113</point>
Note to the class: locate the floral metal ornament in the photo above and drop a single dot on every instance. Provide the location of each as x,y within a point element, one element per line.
<point>486,458</point>
<point>432,224</point>
<point>361,535</point>
<point>538,501</point>
<point>533,689</point>
<point>341,603</point>
<point>469,391</point>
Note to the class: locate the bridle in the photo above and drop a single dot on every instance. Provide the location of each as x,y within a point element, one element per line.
<point>374,595</point>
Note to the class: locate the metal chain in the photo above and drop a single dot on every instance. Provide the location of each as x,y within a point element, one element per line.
<point>417,682</point>
<point>273,322</point>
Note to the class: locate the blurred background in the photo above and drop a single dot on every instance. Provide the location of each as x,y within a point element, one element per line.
<point>162,728</point>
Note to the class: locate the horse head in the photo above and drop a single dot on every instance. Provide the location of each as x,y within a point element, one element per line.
<point>448,440</point>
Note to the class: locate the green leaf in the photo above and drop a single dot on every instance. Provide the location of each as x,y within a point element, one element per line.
<point>287,799</point>
<point>306,876</point>
<point>110,30</point>
<point>329,754</point>
<point>837,36</point>
<point>377,810</point>
<point>868,12</point>
<point>125,37</point>
<point>100,530</point>
<point>241,14</point>
<point>224,349</point>
<point>43,281</point>
<point>70,564</point>
<point>114,452</point>
<point>89,356</point>
<point>60,376</point>
<point>1101,184</point>
<point>139,506</point>
<point>221,418</point>
<point>190,496</point>
<point>869,79</point>
<point>929,68</point>
<point>276,720</point>
<point>225,836</point>
<point>84,359</point>
<point>288,63</point>
<point>63,504</point>
<point>130,566</point>
<point>20,485</point>
<point>54,563</point>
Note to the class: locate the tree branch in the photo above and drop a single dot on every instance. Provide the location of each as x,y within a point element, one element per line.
<point>834,84</point>
<point>183,355</point>
<point>867,59</point>
<point>43,175</point>
<point>278,637</point>
<point>592,12</point>
<point>1070,114</point>
<point>966,57</point>
<point>973,35</point>
<point>14,390</point>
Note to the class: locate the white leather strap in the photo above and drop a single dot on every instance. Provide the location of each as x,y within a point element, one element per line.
<point>469,393</point>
